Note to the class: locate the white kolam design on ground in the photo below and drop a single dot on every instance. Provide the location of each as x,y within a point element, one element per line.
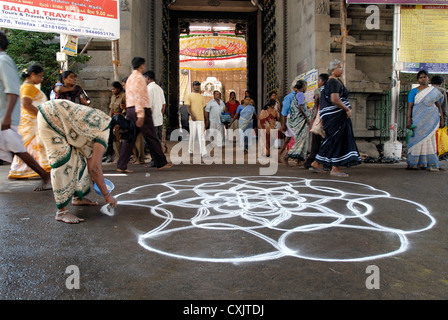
<point>259,218</point>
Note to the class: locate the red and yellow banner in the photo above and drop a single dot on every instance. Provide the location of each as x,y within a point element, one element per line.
<point>212,46</point>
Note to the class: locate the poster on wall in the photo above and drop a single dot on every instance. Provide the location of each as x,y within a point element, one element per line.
<point>311,78</point>
<point>424,39</point>
<point>93,18</point>
<point>71,46</point>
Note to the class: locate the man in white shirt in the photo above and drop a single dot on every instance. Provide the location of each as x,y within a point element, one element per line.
<point>157,102</point>
<point>213,111</point>
<point>157,105</point>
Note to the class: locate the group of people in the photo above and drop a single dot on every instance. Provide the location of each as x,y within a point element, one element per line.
<point>328,125</point>
<point>35,135</point>
<point>321,139</point>
<point>137,105</point>
<point>333,146</point>
<point>63,140</point>
<point>332,141</point>
<point>216,116</point>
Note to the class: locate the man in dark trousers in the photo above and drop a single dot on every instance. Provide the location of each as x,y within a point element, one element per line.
<point>138,111</point>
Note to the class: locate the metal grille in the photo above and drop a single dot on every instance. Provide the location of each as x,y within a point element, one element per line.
<point>164,81</point>
<point>382,116</point>
<point>269,46</point>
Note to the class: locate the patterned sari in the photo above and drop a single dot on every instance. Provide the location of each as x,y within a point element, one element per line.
<point>422,148</point>
<point>68,131</point>
<point>246,116</point>
<point>298,122</point>
<point>28,130</point>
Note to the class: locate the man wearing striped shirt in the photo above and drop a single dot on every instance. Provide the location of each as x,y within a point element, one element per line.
<point>138,111</point>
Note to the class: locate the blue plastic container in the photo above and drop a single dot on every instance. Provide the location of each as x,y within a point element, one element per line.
<point>109,185</point>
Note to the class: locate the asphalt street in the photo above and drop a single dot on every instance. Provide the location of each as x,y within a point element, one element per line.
<point>225,232</point>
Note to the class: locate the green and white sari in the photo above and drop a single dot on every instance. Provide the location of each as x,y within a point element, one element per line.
<point>69,131</point>
<point>299,123</point>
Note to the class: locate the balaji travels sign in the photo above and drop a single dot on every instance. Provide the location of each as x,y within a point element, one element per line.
<point>93,18</point>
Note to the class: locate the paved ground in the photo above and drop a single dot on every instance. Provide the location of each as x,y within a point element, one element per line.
<point>225,232</point>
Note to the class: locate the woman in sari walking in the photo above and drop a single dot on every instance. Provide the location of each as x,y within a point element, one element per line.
<point>75,137</point>
<point>339,147</point>
<point>425,113</point>
<point>299,120</point>
<point>280,135</point>
<point>268,121</point>
<point>31,97</point>
<point>245,114</point>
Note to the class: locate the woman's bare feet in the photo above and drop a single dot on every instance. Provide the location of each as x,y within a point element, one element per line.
<point>67,217</point>
<point>83,202</point>
<point>45,185</point>
<point>167,166</point>
<point>284,159</point>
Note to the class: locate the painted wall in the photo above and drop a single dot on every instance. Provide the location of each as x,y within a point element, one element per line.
<point>302,44</point>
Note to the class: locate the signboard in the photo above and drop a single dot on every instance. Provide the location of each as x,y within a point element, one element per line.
<point>311,78</point>
<point>71,46</point>
<point>424,39</point>
<point>205,52</point>
<point>411,2</point>
<point>91,18</point>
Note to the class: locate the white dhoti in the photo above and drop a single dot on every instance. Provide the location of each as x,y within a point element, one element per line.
<point>10,143</point>
<point>217,132</point>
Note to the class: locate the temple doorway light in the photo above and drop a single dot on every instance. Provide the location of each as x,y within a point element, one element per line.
<point>215,54</point>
